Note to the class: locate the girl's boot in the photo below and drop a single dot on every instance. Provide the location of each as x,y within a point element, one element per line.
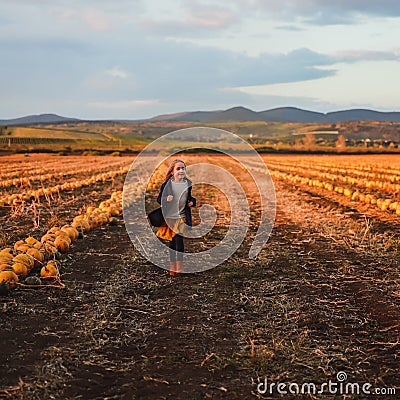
<point>178,267</point>
<point>172,267</point>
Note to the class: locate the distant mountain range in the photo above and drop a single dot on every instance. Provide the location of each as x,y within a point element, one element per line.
<point>37,119</point>
<point>283,114</point>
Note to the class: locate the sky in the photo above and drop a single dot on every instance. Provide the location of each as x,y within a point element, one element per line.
<point>133,59</point>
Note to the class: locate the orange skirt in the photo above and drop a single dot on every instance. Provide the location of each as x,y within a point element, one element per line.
<point>179,227</point>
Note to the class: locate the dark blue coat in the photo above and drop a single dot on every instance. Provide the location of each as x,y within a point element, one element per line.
<point>166,190</point>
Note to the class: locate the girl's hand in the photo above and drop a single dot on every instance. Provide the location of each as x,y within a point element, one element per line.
<point>170,198</point>
<point>190,204</point>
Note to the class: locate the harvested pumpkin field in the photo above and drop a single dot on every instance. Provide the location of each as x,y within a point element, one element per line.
<point>85,316</point>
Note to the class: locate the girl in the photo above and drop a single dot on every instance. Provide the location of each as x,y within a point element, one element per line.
<point>176,199</point>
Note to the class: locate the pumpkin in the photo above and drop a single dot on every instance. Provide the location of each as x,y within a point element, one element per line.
<point>7,250</point>
<point>94,222</point>
<point>20,269</point>
<point>54,229</point>
<point>19,243</point>
<point>104,204</point>
<point>38,245</point>
<point>23,248</point>
<point>33,280</point>
<point>50,270</point>
<point>37,256</point>
<point>63,235</point>
<point>9,277</point>
<point>62,244</point>
<point>81,226</point>
<point>30,240</point>
<point>48,237</point>
<point>24,259</point>
<point>6,256</point>
<point>5,267</point>
<point>113,221</point>
<point>89,220</point>
<point>50,248</point>
<point>71,232</point>
<point>116,196</point>
<point>112,211</point>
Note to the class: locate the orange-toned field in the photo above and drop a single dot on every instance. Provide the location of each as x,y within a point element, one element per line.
<point>322,297</point>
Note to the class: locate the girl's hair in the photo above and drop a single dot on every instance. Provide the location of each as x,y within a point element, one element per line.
<point>170,171</point>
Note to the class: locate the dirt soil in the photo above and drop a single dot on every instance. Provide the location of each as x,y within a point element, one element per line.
<point>320,298</point>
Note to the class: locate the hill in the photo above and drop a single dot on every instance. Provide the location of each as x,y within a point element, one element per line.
<point>234,114</point>
<point>37,119</point>
<point>282,114</point>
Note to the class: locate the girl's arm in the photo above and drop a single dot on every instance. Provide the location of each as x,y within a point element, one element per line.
<point>191,199</point>
<point>160,194</point>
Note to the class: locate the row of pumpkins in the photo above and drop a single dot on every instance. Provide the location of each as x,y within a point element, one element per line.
<point>38,174</point>
<point>381,173</point>
<point>28,195</point>
<point>382,203</point>
<point>16,263</point>
<point>379,185</point>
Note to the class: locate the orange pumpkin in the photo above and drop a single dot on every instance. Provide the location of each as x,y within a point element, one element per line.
<point>50,248</point>
<point>20,269</point>
<point>5,267</point>
<point>112,211</point>
<point>71,232</point>
<point>23,248</point>
<point>30,240</point>
<point>7,250</point>
<point>6,256</point>
<point>25,259</point>
<point>63,235</point>
<point>37,256</point>
<point>62,244</point>
<point>48,237</point>
<point>19,243</point>
<point>81,226</point>
<point>38,245</point>
<point>9,277</point>
<point>50,270</point>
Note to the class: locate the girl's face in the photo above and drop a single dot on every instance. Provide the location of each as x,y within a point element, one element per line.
<point>179,171</point>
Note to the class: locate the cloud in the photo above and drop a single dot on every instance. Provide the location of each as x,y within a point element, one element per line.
<point>123,105</point>
<point>97,20</point>
<point>192,72</point>
<point>63,13</point>
<point>87,56</point>
<point>324,12</point>
<point>359,84</point>
<point>366,55</point>
<point>117,72</point>
<point>215,16</point>
<point>194,19</point>
<point>293,28</point>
